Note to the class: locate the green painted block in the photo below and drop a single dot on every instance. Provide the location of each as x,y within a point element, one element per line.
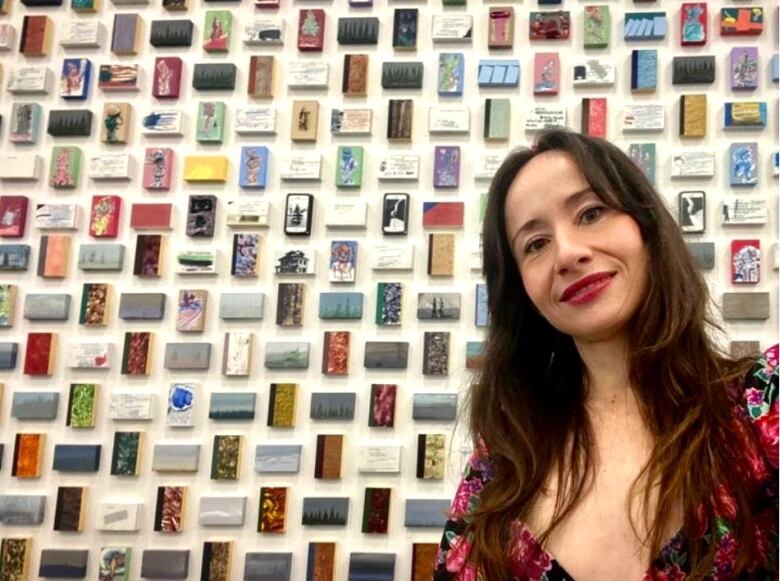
<point>349,166</point>
<point>598,25</point>
<point>65,168</point>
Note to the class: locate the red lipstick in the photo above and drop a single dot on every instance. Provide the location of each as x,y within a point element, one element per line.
<point>587,288</point>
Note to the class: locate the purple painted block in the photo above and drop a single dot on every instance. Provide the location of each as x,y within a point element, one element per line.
<point>743,69</point>
<point>124,39</point>
<point>446,166</point>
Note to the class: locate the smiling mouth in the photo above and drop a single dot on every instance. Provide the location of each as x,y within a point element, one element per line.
<point>587,287</point>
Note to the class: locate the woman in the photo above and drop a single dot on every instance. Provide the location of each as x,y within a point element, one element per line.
<point>614,440</point>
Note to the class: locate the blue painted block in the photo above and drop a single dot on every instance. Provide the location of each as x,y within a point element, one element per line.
<point>729,121</point>
<point>499,73</point>
<point>253,170</point>
<point>76,458</point>
<point>743,164</point>
<point>644,70</point>
<point>645,26</point>
<point>452,66</point>
<point>775,68</point>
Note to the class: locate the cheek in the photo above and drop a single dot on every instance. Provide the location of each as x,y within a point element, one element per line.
<point>534,284</point>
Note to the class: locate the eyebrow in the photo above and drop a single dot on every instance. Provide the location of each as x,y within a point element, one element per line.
<point>570,201</point>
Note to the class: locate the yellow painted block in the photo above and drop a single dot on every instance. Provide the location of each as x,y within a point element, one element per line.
<point>205,168</point>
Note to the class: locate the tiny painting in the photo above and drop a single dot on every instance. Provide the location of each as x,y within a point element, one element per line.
<point>210,122</point>
<point>693,206</point>
<point>201,212</point>
<point>25,126</point>
<point>597,26</point>
<point>166,81</point>
<point>118,77</point>
<point>743,160</point>
<point>281,405</point>
<point>343,260</point>
<point>335,354</point>
<point>114,563</point>
<point>341,305</point>
<point>181,405</point>
<point>349,170</point>
<point>395,214</point>
<point>273,509</point>
<point>452,66</point>
<point>245,251</point>
<point>501,27</point>
<point>748,21</point>
<point>389,303</point>
<point>116,123</point>
<point>217,30</point>
<point>381,413</point>
<point>158,168</point>
<point>311,29</point>
<point>693,23</point>
<point>547,73</point>
<point>191,310</point>
<point>253,170</point>
<point>744,67</point>
<point>446,166</point>
<point>549,25</point>
<point>745,261</point>
<point>65,169</point>
<point>74,80</point>
<point>290,303</point>
<point>644,156</point>
<point>405,28</point>
<point>298,214</point>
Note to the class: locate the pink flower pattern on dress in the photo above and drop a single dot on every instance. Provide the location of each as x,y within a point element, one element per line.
<point>757,410</point>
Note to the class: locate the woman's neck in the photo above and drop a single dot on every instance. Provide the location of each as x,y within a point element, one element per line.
<point>607,377</point>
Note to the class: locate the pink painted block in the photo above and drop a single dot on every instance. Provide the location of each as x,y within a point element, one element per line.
<point>158,168</point>
<point>547,73</point>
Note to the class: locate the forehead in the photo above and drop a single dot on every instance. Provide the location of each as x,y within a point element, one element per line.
<point>548,177</point>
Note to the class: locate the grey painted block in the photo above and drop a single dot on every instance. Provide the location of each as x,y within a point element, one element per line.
<point>222,511</point>
<point>426,512</point>
<point>703,253</point>
<point>76,457</point>
<point>22,509</point>
<point>745,306</point>
<point>241,305</point>
<point>162,564</point>
<point>176,457</point>
<point>63,564</point>
<point>279,458</point>
<point>142,306</point>
<point>46,306</point>
<point>35,405</point>
<point>188,356</point>
<point>267,566</point>
<point>434,406</point>
<point>8,355</point>
<point>745,348</point>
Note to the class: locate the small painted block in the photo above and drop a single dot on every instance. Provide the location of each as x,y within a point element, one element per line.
<point>554,25</point>
<point>747,21</point>
<point>75,77</point>
<point>166,82</point>
<point>25,125</point>
<point>253,167</point>
<point>744,68</point>
<point>547,73</point>
<point>743,164</point>
<point>750,114</point>
<point>644,70</point>
<point>645,26</point>
<point>693,24</point>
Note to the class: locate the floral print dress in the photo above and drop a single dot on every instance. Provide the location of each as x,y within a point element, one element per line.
<point>756,409</point>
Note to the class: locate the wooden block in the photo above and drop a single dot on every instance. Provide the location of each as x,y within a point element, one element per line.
<point>745,261</point>
<point>203,168</point>
<point>210,122</point>
<point>436,353</point>
<point>261,76</point>
<point>335,355</point>
<point>644,70</point>
<point>355,77</point>
<point>281,406</point>
<point>598,26</point>
<point>305,121</point>
<point>549,25</point>
<point>216,564</point>
<point>376,510</point>
<point>748,306</point>
<point>37,33</point>
<point>693,70</point>
<point>14,212</point>
<point>28,453</point>
<point>166,82</point>
<point>214,76</point>
<point>327,464</point>
<point>693,212</point>
<point>693,115</point>
<point>501,27</point>
<point>116,123</point>
<point>547,73</point>
<point>217,30</point>
<point>430,456</point>
<point>739,349</point>
<point>226,457</point>
<point>594,117</point>
<point>320,561</point>
<point>703,253</point>
<point>170,509</point>
<point>446,169</point>
<point>748,21</point>
<point>744,68</point>
<point>441,254</point>
<point>311,29</point>
<point>402,75</point>
<point>171,33</point>
<point>746,114</point>
<point>358,30</point>
<point>15,555</point>
<point>273,510</point>
<point>693,23</point>
<point>54,255</point>
<point>405,21</point>
<point>126,35</point>
<point>423,560</point>
<point>399,119</point>
<point>137,353</point>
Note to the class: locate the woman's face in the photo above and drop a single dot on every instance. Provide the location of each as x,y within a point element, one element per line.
<point>583,264</point>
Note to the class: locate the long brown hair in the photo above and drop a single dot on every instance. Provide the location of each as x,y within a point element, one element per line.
<point>527,401</point>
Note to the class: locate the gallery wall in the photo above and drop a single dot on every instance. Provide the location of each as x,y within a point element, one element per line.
<point>418,455</point>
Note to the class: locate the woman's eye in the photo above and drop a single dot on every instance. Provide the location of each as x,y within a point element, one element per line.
<point>592,214</point>
<point>534,245</point>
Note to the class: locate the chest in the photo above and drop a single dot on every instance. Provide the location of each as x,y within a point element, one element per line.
<point>596,541</point>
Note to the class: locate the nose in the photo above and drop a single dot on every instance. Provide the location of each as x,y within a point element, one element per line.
<point>572,250</point>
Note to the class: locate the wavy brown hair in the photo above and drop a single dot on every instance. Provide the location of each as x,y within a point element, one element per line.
<point>527,401</point>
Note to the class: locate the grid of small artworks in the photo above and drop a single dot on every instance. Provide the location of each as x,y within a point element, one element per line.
<point>240,263</point>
